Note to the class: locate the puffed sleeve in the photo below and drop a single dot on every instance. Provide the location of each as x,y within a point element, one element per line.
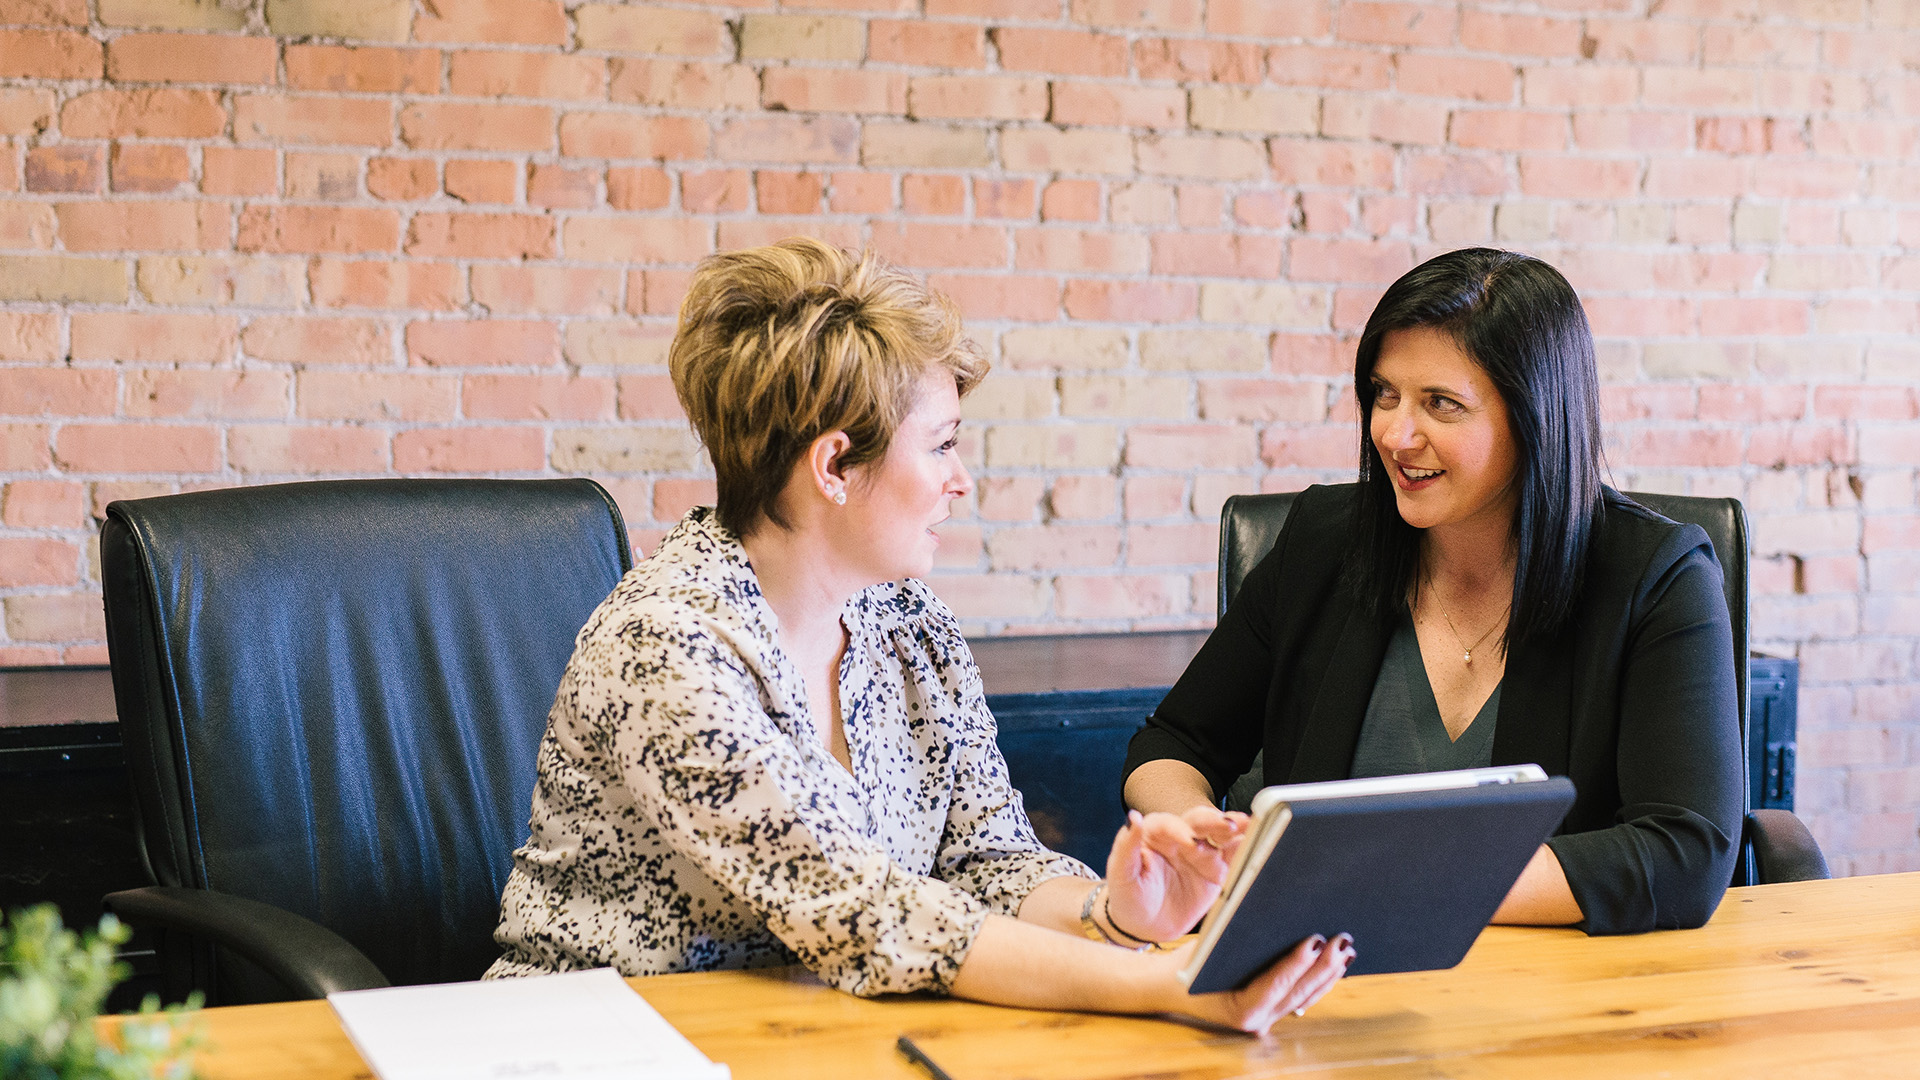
<point>1670,857</point>
<point>988,847</point>
<point>703,758</point>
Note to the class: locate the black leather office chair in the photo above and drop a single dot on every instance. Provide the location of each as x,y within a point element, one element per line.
<point>331,696</point>
<point>1775,845</point>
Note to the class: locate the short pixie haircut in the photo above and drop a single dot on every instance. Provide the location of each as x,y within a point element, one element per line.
<point>1520,320</point>
<point>780,345</point>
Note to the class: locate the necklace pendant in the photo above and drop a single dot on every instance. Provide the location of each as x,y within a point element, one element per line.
<point>1468,658</point>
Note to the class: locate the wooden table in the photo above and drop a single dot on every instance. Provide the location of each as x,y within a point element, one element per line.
<point>1810,979</point>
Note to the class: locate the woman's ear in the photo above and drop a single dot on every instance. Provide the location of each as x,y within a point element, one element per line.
<point>825,470</point>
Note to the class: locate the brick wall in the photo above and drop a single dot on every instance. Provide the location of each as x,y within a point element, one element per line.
<point>252,242</point>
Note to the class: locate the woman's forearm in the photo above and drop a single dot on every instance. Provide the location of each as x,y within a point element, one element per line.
<point>1025,964</point>
<point>1167,785</point>
<point>1542,896</point>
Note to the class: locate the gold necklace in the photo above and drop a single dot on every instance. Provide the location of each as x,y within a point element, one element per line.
<point>1466,650</point>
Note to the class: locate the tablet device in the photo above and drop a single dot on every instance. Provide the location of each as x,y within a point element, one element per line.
<point>1412,866</point>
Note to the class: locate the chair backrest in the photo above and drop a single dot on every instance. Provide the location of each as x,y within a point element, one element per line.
<point>1249,524</point>
<point>332,693</point>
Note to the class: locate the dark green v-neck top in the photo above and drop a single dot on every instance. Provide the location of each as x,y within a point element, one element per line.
<point>1403,732</point>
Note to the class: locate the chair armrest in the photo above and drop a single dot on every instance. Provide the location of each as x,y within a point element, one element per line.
<point>309,959</point>
<point>1783,848</point>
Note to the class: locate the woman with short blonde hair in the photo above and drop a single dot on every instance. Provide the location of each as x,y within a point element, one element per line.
<point>771,744</point>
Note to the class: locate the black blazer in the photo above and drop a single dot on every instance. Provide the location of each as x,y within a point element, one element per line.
<point>1634,701</point>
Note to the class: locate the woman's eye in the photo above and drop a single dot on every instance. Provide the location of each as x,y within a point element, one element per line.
<point>1445,404</point>
<point>1382,395</point>
<point>948,445</point>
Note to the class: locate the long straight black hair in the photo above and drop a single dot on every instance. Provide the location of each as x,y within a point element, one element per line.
<point>1519,319</point>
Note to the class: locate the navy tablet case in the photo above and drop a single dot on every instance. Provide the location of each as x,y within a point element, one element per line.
<point>1413,876</point>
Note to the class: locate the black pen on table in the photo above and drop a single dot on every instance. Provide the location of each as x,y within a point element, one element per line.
<point>919,1057</point>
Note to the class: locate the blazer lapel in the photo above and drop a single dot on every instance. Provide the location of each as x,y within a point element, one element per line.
<point>1333,724</point>
<point>1536,703</point>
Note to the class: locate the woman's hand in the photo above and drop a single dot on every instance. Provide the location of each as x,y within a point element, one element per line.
<point>1166,870</point>
<point>1294,983</point>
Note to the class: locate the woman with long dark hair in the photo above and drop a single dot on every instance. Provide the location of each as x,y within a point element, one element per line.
<point>1481,597</point>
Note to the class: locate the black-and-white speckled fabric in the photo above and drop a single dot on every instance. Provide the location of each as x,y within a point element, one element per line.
<point>688,816</point>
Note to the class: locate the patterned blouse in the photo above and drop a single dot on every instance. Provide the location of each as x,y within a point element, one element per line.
<point>688,816</point>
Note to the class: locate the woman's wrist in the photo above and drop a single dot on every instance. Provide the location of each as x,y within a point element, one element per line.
<point>1096,921</point>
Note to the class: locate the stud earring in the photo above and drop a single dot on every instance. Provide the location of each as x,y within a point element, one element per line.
<point>840,498</point>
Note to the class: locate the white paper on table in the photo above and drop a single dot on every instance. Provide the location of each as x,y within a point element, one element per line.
<point>580,1025</point>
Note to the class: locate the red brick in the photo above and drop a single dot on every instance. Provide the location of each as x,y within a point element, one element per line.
<point>1639,316</point>
<point>30,336</point>
<point>315,229</point>
<point>639,240</point>
<point>482,181</point>
<point>44,504</point>
<point>1583,87</point>
<point>194,58</point>
<point>1641,41</point>
<point>553,186</point>
<point>1131,301</point>
<point>1698,177</point>
<point>471,450</point>
<point>481,236</point>
<point>938,195</point>
<point>977,97</point>
<point>997,296</point>
<point>483,343</point>
<point>1382,119</point>
<point>436,126</point>
<point>1579,177</point>
<point>1520,35</point>
<point>684,85</point>
<point>537,397</point>
<point>1130,596</point>
<point>1807,180</point>
<point>1061,52</point>
<point>306,450</point>
<point>128,337</point>
<point>416,285</point>
<point>228,170</point>
<point>315,120</point>
<point>834,90</point>
<point>1178,15</point>
<point>927,245</point>
<point>558,290</point>
<point>48,54</point>
<point>921,43</point>
<point>44,12</point>
<point>1690,88</point>
<point>1697,447</point>
<point>362,395</point>
<point>526,74</point>
<point>73,168</point>
<point>1053,547</point>
<point>625,28</point>
<point>150,167</point>
<point>38,561</point>
<point>1329,67</point>
<point>364,69</point>
<point>656,292</point>
<point>56,392</point>
<point>624,135</point>
<point>638,189</point>
<point>1632,131</point>
<point>1216,254</point>
<point>326,177</point>
<point>513,22</point>
<point>1118,105</point>
<point>1454,77</point>
<point>402,179</point>
<point>860,193</point>
<point>1331,164</point>
<point>1071,200</point>
<point>1202,156</point>
<point>207,394</point>
<point>1395,24</point>
<point>1003,198</point>
<point>137,448</point>
<point>1198,60</point>
<point>23,448</point>
<point>674,496</point>
<point>1323,446</point>
<point>296,339</point>
<point>1315,259</point>
<point>25,110</point>
<point>1072,151</point>
<point>648,397</point>
<point>144,226</point>
<point>1456,174</point>
<point>1508,129</point>
<point>1262,18</point>
<point>1753,315</point>
<point>726,191</point>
